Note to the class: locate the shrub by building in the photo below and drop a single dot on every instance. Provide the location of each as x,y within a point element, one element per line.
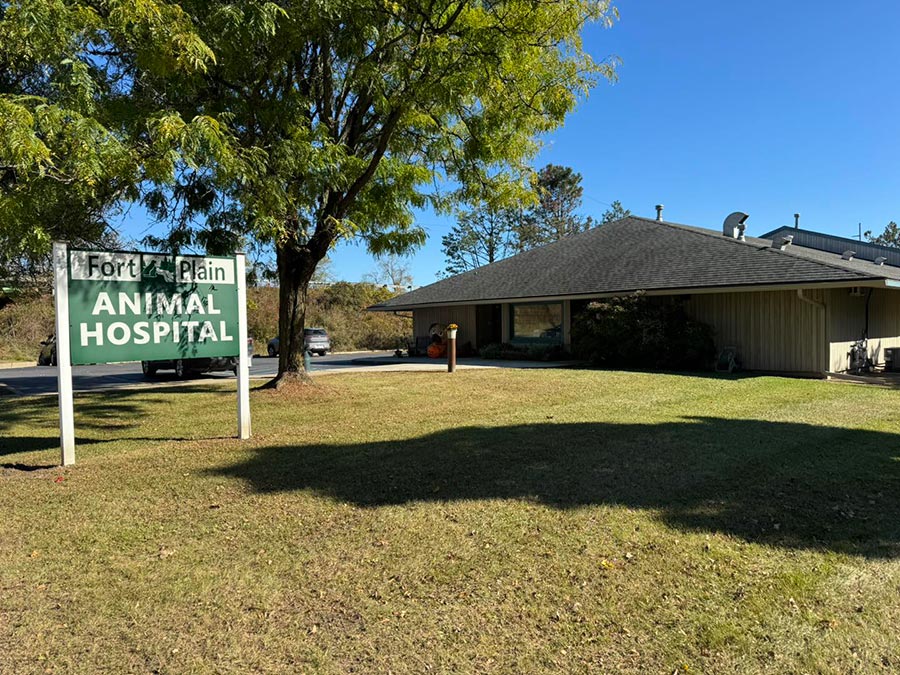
<point>641,332</point>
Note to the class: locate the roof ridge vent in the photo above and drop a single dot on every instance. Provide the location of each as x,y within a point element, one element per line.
<point>783,242</point>
<point>880,260</point>
<point>733,226</point>
<point>848,255</point>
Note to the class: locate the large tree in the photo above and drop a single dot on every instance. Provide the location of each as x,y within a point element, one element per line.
<point>479,237</point>
<point>555,215</point>
<point>345,115</point>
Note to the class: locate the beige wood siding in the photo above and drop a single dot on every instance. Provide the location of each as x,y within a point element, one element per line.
<point>847,322</point>
<point>461,315</point>
<point>772,330</point>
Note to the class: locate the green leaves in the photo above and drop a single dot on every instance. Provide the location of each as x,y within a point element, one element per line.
<point>160,35</point>
<point>350,113</point>
<point>75,142</point>
<point>19,145</point>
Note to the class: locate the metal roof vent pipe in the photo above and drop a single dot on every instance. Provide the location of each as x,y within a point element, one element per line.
<point>783,242</point>
<point>734,225</point>
<point>796,221</point>
<point>659,210</point>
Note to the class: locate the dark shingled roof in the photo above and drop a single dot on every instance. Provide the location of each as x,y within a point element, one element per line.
<point>641,254</point>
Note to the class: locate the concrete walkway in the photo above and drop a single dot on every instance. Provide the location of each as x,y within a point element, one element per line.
<point>880,379</point>
<point>423,363</point>
<point>16,364</point>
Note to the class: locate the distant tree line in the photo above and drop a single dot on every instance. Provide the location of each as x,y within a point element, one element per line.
<point>338,307</point>
<point>484,234</point>
<point>890,236</point>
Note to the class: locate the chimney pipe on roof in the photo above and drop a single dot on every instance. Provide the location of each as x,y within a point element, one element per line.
<point>659,209</point>
<point>796,221</point>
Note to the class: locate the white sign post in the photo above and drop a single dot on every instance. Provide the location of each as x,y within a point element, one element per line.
<point>130,306</point>
<point>63,359</point>
<point>243,373</point>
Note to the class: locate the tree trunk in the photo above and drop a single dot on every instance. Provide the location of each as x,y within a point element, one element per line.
<point>295,269</point>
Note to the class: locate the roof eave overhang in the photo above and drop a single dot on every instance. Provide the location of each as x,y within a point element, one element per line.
<point>685,290</point>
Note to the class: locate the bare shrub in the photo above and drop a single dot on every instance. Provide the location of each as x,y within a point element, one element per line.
<point>340,308</point>
<point>23,324</point>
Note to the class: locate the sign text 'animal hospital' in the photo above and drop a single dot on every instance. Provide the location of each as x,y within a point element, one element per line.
<point>147,306</point>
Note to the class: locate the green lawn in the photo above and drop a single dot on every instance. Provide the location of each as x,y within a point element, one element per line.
<point>489,521</point>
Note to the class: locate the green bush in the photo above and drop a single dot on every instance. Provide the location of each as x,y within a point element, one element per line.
<point>641,332</point>
<point>491,351</point>
<point>523,352</point>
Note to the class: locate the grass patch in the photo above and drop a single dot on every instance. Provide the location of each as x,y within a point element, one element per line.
<point>489,521</point>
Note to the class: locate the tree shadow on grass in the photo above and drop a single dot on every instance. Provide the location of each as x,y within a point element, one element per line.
<point>120,411</point>
<point>783,484</point>
<point>27,468</point>
<point>13,445</point>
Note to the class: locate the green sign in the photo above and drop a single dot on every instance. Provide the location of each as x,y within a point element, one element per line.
<point>148,306</point>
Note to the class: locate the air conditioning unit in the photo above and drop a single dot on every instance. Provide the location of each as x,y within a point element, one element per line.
<point>892,359</point>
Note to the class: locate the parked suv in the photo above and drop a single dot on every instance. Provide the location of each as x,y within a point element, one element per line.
<point>315,341</point>
<point>187,367</point>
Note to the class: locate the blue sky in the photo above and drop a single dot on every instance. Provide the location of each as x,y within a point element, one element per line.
<point>765,107</point>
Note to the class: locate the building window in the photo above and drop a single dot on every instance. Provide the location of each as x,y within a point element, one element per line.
<point>537,322</point>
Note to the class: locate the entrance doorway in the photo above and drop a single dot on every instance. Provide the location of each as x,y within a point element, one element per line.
<point>488,325</point>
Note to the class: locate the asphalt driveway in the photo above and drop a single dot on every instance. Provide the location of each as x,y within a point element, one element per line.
<point>33,381</point>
